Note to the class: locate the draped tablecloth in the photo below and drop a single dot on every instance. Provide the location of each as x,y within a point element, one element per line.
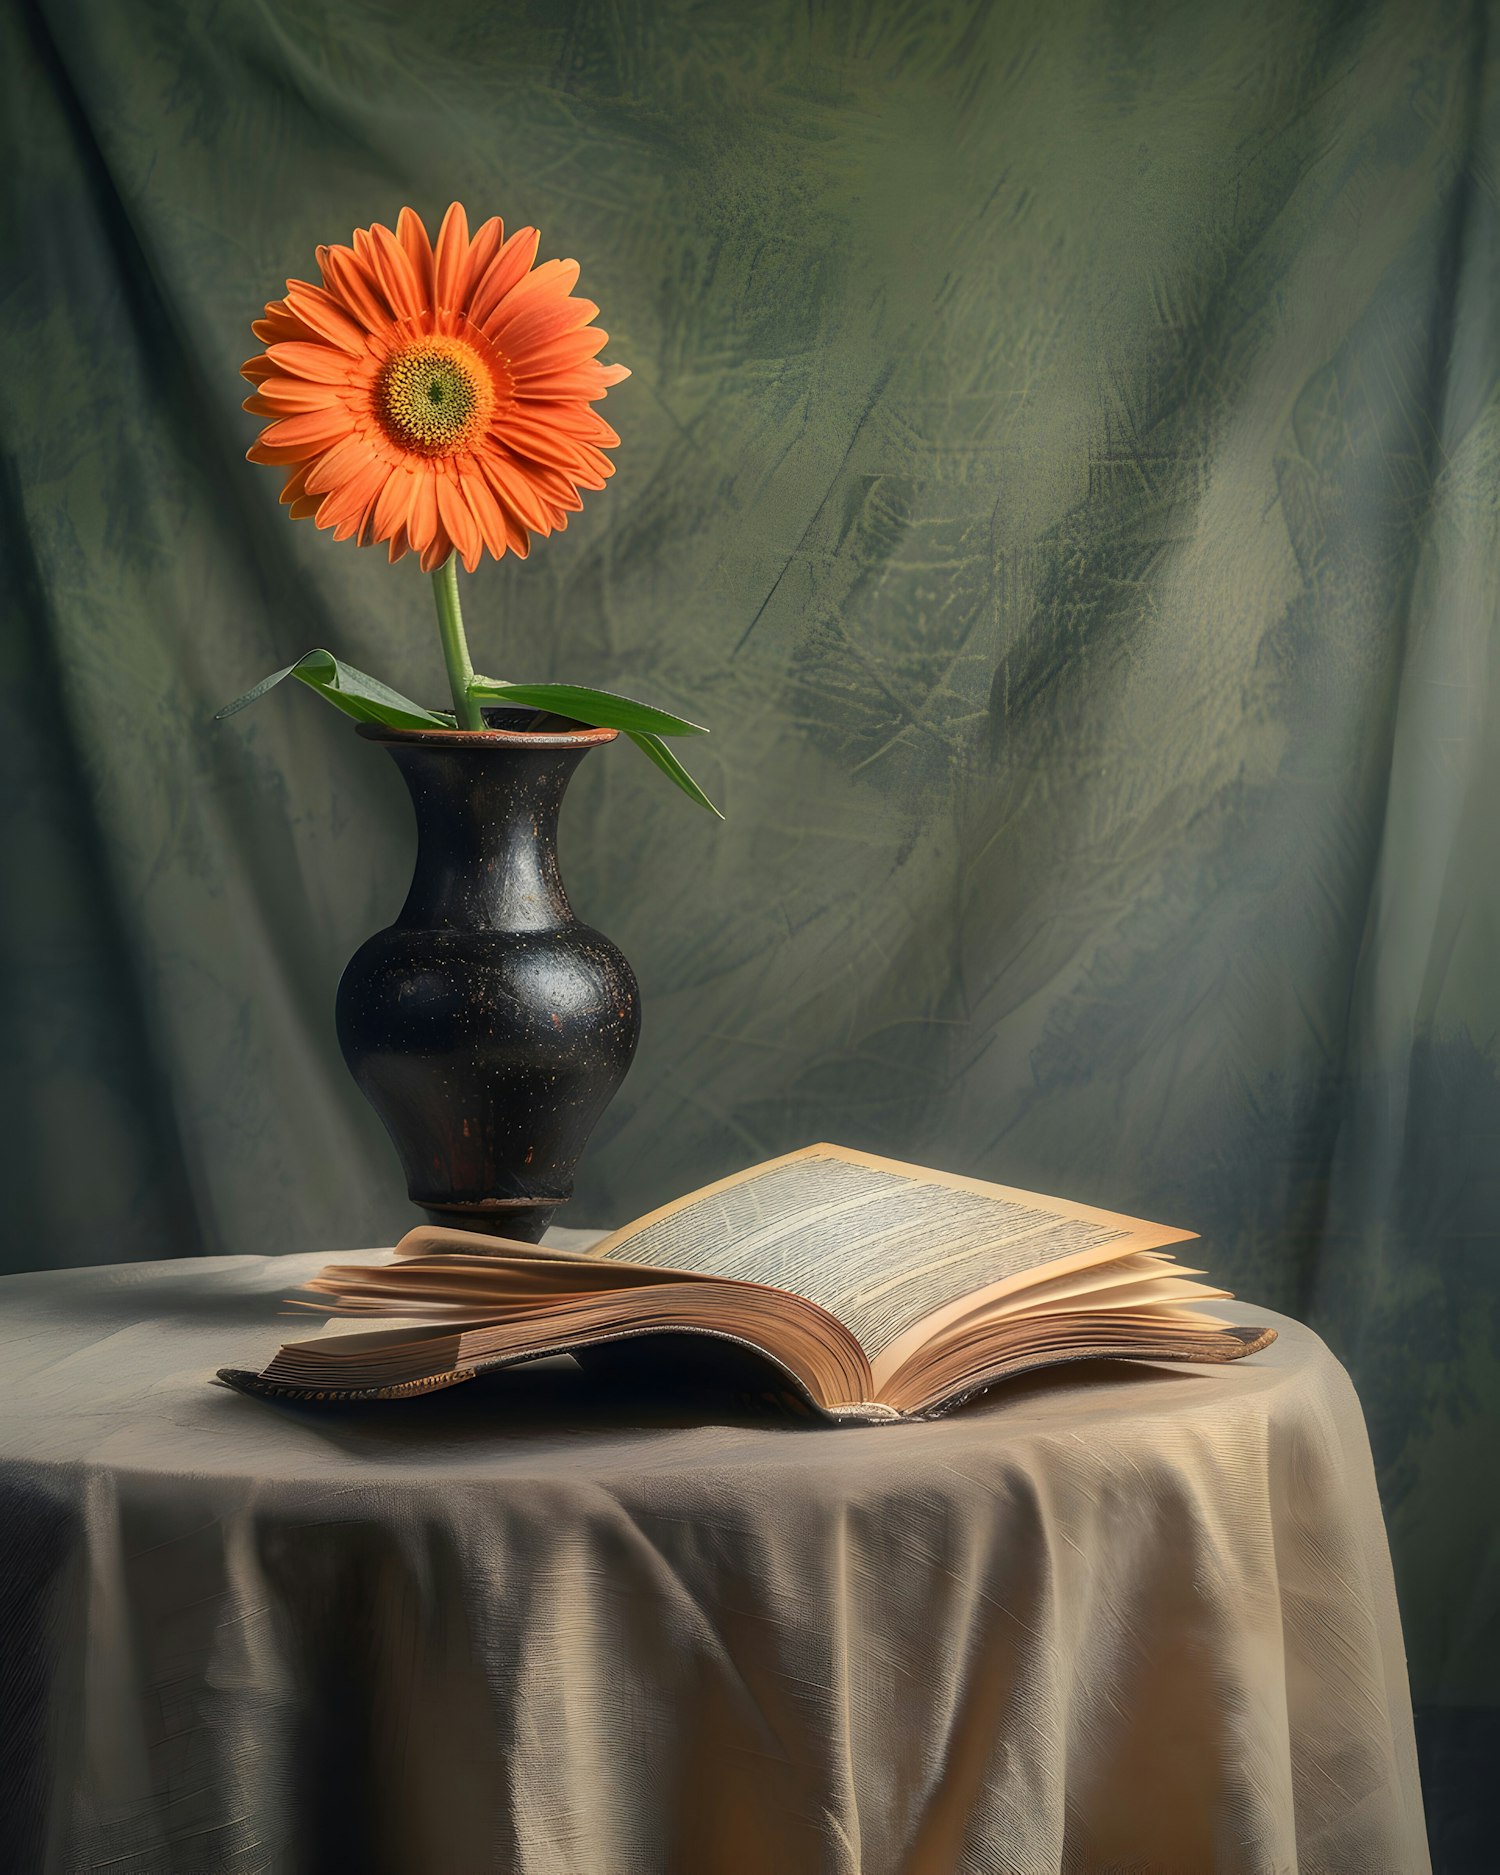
<point>1112,1618</point>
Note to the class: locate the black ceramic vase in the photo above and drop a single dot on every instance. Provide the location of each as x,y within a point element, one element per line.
<point>487,1027</point>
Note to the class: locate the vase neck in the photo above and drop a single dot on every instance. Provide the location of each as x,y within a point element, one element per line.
<point>486,835</point>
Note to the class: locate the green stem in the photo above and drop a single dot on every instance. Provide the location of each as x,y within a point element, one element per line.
<point>455,645</point>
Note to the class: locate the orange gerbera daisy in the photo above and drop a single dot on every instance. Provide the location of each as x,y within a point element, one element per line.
<point>435,398</point>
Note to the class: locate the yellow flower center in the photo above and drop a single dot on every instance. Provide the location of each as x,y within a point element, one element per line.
<point>435,396</point>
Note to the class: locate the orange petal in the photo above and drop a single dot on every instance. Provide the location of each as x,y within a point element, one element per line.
<point>347,280</point>
<point>295,496</point>
<point>311,432</point>
<point>399,547</point>
<point>521,329</point>
<point>572,384</point>
<point>516,449</point>
<point>418,250</point>
<point>258,368</point>
<point>458,520</point>
<point>279,322</point>
<point>295,486</point>
<point>513,489</point>
<point>346,507</point>
<point>284,397</point>
<point>594,469</point>
<point>316,307</point>
<point>486,510</point>
<point>541,440</point>
<point>365,487</point>
<point>422,513</point>
<point>449,256</point>
<point>576,420</point>
<point>555,487</point>
<point>338,464</point>
<point>508,269</point>
<point>517,534</point>
<point>585,383</point>
<point>562,348</point>
<point>553,280</point>
<point>603,437</point>
<point>322,363</point>
<point>406,287</point>
<point>272,457</point>
<point>391,507</point>
<point>278,331</point>
<point>367,536</point>
<point>555,358</point>
<point>487,242</point>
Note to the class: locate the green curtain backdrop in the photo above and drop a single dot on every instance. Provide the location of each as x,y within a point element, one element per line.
<point>1060,463</point>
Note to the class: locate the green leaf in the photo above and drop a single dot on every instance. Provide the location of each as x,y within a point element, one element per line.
<point>600,708</point>
<point>364,698</point>
<point>667,762</point>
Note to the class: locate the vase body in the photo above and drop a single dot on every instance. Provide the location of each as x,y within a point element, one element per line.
<point>487,1027</point>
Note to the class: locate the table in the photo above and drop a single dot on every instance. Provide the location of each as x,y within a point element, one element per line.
<point>1115,1617</point>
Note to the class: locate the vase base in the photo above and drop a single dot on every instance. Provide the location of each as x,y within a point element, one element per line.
<point>523,1219</point>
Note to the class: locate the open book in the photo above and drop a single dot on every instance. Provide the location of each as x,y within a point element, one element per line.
<point>867,1289</point>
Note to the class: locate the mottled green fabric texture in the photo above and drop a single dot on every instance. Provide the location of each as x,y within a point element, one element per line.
<point>1060,464</point>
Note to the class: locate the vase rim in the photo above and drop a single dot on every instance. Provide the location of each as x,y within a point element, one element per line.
<point>581,738</point>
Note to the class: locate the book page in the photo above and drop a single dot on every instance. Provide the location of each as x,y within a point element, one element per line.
<point>879,1244</point>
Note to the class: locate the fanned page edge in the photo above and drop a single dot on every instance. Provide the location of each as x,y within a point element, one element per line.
<point>1210,1351</point>
<point>791,1394</point>
<point>787,1307</point>
<point>790,1386</point>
